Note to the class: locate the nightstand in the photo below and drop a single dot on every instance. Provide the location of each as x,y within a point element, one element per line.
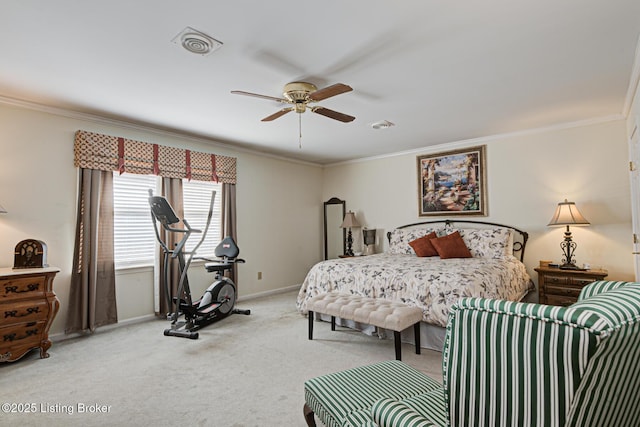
<point>562,287</point>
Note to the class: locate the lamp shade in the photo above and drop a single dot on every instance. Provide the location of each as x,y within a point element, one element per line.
<point>350,221</point>
<point>567,214</point>
<point>369,236</point>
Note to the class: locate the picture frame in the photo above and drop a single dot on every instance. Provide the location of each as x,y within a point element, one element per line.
<point>453,182</point>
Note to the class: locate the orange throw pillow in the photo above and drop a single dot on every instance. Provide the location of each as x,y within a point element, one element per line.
<point>423,246</point>
<point>451,246</point>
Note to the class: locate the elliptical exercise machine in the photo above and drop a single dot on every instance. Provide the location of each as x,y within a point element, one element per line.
<point>219,299</point>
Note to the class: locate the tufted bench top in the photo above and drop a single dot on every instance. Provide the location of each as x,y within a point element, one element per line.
<point>383,313</point>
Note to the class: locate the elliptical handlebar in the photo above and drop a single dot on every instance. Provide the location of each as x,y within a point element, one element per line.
<point>162,212</point>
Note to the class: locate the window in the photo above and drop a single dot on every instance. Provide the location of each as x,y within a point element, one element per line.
<point>197,198</point>
<point>134,238</point>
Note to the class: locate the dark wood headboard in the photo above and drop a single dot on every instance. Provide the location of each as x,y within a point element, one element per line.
<point>519,239</point>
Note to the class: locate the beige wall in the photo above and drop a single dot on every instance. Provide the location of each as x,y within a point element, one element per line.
<point>280,202</point>
<point>279,207</point>
<point>528,174</point>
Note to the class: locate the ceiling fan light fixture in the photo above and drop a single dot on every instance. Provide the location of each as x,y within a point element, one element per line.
<point>197,42</point>
<point>383,124</point>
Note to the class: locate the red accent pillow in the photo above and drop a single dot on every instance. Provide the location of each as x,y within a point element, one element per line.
<point>423,246</point>
<point>451,246</point>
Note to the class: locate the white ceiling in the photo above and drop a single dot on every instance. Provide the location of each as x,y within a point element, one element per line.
<point>442,71</point>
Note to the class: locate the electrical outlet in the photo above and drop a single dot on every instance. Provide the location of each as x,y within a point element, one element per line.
<point>259,275</point>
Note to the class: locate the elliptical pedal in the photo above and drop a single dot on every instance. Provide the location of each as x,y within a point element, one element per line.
<point>181,333</point>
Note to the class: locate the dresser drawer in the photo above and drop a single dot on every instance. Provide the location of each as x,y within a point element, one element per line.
<point>560,291</point>
<point>582,281</point>
<point>20,334</point>
<point>22,287</point>
<point>563,301</point>
<point>551,280</point>
<point>24,311</point>
<point>17,341</point>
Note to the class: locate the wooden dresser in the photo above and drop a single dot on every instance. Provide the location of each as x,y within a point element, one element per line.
<point>27,308</point>
<point>562,287</point>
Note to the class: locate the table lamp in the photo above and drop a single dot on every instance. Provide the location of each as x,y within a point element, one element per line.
<point>349,222</point>
<point>568,214</point>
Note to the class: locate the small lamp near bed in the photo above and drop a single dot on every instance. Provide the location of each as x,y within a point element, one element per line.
<point>369,238</point>
<point>568,214</point>
<point>349,222</point>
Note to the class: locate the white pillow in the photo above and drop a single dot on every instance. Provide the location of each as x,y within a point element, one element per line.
<point>400,238</point>
<point>488,242</point>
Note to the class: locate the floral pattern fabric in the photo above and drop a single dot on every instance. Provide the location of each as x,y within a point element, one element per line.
<point>488,242</point>
<point>495,242</point>
<point>431,283</point>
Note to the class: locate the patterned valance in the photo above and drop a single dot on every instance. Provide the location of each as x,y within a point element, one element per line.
<point>112,153</point>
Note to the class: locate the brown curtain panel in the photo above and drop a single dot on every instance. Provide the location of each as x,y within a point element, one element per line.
<point>228,219</point>
<point>92,299</point>
<point>172,191</point>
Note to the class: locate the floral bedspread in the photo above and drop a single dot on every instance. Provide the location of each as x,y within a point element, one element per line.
<point>430,283</point>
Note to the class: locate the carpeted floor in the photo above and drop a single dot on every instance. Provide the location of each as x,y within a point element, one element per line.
<point>243,371</point>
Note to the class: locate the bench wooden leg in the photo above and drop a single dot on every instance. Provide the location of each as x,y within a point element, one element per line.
<point>398,344</point>
<point>416,333</point>
<point>308,416</point>
<point>310,325</point>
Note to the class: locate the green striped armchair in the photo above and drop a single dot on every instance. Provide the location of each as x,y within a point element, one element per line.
<point>521,364</point>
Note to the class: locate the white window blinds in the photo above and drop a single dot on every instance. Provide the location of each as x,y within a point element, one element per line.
<point>134,238</point>
<point>196,198</point>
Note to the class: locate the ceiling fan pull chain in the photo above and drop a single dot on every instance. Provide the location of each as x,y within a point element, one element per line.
<point>300,128</point>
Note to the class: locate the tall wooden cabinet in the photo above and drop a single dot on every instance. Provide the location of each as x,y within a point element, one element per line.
<point>27,308</point>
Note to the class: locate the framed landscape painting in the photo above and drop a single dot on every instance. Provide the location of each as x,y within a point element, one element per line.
<point>452,183</point>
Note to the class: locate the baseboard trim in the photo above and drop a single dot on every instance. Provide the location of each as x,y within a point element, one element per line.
<point>269,293</point>
<point>61,336</point>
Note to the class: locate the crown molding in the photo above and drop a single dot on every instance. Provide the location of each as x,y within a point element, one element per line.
<point>467,142</point>
<point>73,114</point>
<point>214,143</point>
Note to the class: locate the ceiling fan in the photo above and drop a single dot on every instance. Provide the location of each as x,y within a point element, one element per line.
<point>300,95</point>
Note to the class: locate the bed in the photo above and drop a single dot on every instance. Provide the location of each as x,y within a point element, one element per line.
<point>494,270</point>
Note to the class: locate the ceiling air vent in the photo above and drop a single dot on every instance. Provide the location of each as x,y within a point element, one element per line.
<point>196,42</point>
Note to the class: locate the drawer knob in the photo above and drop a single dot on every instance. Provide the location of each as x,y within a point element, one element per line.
<point>14,337</point>
<point>14,289</point>
<point>27,312</point>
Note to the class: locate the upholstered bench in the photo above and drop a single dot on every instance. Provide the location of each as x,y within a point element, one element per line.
<point>382,313</point>
<point>345,399</point>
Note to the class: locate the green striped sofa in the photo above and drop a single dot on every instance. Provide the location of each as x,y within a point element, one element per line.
<point>506,364</point>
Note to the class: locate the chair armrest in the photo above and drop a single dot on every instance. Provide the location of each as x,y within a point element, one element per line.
<point>502,358</point>
<point>391,413</point>
<point>599,287</point>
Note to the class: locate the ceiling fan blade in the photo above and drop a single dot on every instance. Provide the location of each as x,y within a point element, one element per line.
<point>329,91</point>
<point>276,115</point>
<point>333,114</point>
<point>256,95</point>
